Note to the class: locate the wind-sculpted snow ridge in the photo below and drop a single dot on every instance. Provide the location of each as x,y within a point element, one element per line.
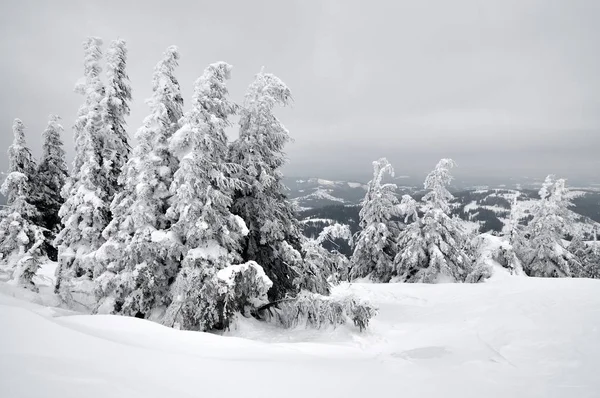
<point>511,336</point>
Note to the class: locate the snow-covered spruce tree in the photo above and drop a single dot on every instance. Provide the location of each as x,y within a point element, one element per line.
<point>585,255</point>
<point>332,264</point>
<point>513,231</point>
<point>274,238</point>
<point>84,214</point>
<point>546,254</point>
<point>20,238</point>
<point>52,172</point>
<point>374,249</point>
<point>140,259</point>
<point>433,248</point>
<point>589,257</point>
<point>118,95</point>
<point>203,191</point>
<point>20,160</point>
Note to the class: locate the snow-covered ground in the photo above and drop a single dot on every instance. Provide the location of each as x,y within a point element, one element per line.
<point>508,337</point>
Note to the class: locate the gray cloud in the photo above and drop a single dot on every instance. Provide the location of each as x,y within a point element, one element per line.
<point>504,87</point>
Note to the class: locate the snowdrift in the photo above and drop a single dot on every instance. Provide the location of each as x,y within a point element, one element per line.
<point>508,337</point>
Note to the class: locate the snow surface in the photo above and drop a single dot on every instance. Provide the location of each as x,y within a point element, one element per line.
<point>508,337</point>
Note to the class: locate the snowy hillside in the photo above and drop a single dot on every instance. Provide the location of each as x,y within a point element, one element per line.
<point>508,337</point>
<point>318,192</point>
<point>313,193</point>
<point>492,208</point>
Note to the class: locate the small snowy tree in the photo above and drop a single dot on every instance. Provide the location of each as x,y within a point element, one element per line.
<point>140,258</point>
<point>51,175</point>
<point>589,257</point>
<point>274,238</point>
<point>20,239</point>
<point>331,264</point>
<point>546,254</point>
<point>584,254</point>
<point>434,248</point>
<point>84,213</point>
<point>375,245</point>
<point>118,95</point>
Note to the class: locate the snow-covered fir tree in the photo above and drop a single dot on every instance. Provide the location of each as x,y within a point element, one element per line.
<point>118,95</point>
<point>203,189</point>
<point>20,160</point>
<point>140,259</point>
<point>545,254</point>
<point>434,247</point>
<point>52,172</point>
<point>21,240</point>
<point>274,238</point>
<point>589,257</point>
<point>375,245</point>
<point>513,231</point>
<point>585,255</point>
<point>85,213</point>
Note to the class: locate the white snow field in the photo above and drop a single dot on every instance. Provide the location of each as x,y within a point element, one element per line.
<point>507,337</point>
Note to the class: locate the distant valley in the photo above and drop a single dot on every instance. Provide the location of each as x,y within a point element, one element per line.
<point>322,202</point>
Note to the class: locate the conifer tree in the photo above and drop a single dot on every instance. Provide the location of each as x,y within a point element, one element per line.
<point>20,160</point>
<point>545,254</point>
<point>274,238</point>
<point>51,175</point>
<point>203,190</point>
<point>20,238</point>
<point>589,259</point>
<point>203,185</point>
<point>139,259</point>
<point>85,213</point>
<point>331,264</point>
<point>584,254</point>
<point>375,245</point>
<point>434,247</point>
<point>118,95</point>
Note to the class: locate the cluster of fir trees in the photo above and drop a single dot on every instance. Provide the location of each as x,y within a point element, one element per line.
<point>184,228</point>
<point>30,220</point>
<point>541,245</point>
<point>407,241</point>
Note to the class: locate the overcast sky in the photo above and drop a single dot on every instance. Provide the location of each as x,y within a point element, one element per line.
<point>507,87</point>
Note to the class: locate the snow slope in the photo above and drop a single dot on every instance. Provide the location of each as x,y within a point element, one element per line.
<point>508,337</point>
